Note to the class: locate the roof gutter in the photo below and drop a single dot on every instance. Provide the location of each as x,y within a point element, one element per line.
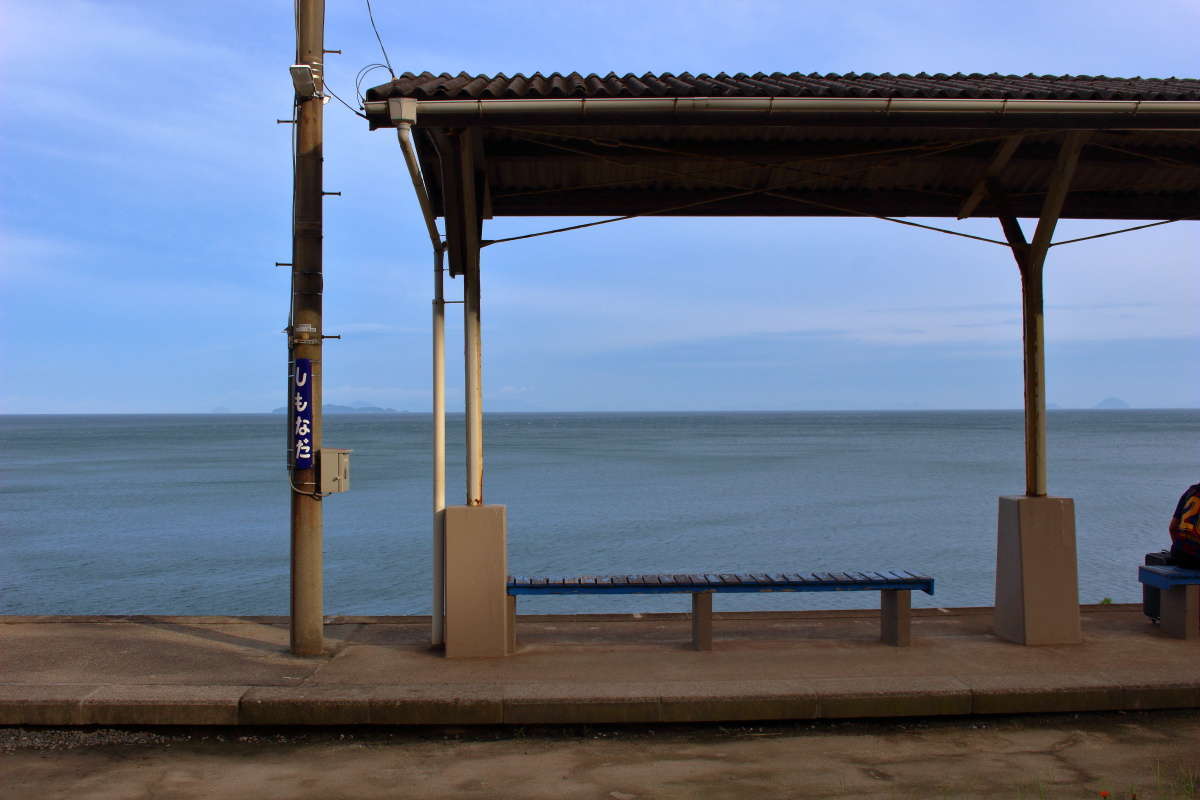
<point>1123,114</point>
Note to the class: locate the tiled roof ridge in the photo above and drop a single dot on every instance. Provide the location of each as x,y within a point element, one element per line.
<point>539,85</point>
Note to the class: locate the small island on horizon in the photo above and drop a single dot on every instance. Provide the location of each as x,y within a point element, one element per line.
<point>334,408</point>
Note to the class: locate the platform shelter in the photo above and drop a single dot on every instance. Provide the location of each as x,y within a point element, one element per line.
<point>892,147</point>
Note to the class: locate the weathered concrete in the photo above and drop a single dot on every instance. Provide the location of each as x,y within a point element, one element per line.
<point>1121,755</point>
<point>579,669</point>
<point>477,603</point>
<point>1037,583</point>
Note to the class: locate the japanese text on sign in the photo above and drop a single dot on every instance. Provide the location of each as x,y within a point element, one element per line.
<point>301,402</point>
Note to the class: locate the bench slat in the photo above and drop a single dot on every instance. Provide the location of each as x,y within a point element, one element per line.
<point>1167,577</point>
<point>732,582</point>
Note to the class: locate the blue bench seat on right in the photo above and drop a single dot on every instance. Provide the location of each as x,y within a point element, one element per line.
<point>1180,603</point>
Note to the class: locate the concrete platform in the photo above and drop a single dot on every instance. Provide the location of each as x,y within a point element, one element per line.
<point>578,669</point>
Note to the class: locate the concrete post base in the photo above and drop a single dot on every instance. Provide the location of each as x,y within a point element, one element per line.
<point>477,609</point>
<point>1037,580</point>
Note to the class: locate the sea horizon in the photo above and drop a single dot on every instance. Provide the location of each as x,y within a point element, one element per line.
<point>449,411</point>
<point>187,513</point>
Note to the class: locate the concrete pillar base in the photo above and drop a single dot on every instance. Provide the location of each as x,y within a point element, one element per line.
<point>1037,580</point>
<point>477,609</point>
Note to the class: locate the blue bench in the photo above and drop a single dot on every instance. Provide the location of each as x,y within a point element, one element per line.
<point>895,589</point>
<point>1179,606</point>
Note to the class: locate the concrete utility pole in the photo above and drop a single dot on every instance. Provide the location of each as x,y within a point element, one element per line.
<point>305,333</point>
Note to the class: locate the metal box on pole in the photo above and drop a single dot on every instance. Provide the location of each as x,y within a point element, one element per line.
<point>334,470</point>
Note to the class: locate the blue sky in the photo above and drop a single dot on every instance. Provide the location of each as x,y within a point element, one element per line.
<point>146,192</point>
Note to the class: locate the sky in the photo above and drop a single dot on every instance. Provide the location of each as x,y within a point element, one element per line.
<point>145,195</point>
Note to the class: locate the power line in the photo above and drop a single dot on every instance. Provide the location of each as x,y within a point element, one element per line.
<point>335,96</point>
<point>362,75</point>
<point>386,60</point>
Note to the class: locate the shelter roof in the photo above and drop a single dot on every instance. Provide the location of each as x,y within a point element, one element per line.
<point>800,144</point>
<point>427,86</point>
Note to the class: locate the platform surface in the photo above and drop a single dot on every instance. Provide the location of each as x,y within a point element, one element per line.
<point>578,669</point>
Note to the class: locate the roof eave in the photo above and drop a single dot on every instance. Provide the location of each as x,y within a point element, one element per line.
<point>982,113</point>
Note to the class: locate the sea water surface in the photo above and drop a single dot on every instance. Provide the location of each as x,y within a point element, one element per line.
<point>189,514</point>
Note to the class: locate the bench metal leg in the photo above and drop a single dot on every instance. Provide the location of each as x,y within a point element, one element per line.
<point>702,620</point>
<point>1180,609</point>
<point>512,623</point>
<point>896,616</point>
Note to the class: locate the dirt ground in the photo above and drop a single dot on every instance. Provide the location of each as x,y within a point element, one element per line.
<point>1142,754</point>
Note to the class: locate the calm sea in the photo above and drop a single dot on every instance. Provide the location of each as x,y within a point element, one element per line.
<point>189,514</point>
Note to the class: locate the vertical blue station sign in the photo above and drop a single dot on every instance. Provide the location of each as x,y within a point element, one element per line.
<point>302,453</point>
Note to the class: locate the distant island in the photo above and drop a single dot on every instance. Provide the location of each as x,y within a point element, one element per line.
<point>1111,402</point>
<point>334,408</point>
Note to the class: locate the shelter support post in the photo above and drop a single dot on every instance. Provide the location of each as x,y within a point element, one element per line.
<point>477,623</point>
<point>473,382</point>
<point>1037,584</point>
<point>438,633</point>
<point>404,135</point>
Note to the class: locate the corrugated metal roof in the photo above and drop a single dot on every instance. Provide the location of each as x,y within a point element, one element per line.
<point>427,86</point>
<point>586,163</point>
